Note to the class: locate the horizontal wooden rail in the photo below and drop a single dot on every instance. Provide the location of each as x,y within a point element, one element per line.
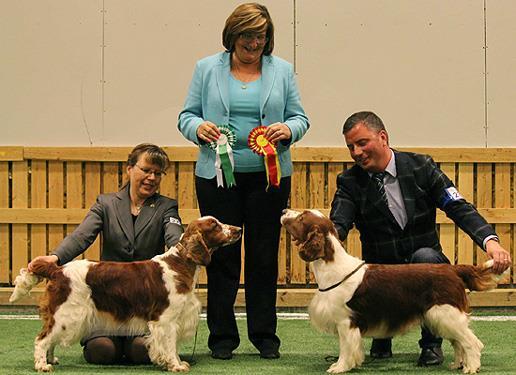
<point>299,154</point>
<point>75,215</point>
<point>64,215</point>
<point>295,297</point>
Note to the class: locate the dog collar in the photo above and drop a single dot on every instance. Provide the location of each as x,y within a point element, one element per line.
<point>344,279</point>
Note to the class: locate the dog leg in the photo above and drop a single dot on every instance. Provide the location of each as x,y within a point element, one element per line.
<point>162,343</point>
<point>453,324</point>
<point>41,347</point>
<point>351,353</point>
<point>458,361</point>
<point>50,356</point>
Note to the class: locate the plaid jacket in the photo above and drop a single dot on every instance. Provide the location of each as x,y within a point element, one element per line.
<point>424,188</point>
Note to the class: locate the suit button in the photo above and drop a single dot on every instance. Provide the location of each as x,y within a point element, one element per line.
<point>263,116</point>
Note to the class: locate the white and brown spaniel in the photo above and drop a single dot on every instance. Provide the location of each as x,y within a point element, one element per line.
<point>358,300</point>
<point>153,297</point>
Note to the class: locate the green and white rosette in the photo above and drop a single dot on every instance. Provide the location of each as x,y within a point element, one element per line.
<point>224,163</point>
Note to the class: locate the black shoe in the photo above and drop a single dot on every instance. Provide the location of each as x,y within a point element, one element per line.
<point>269,353</point>
<point>223,354</point>
<point>381,348</point>
<point>430,357</point>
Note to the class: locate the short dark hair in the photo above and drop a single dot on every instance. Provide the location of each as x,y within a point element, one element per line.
<point>370,119</point>
<point>249,17</point>
<point>156,155</point>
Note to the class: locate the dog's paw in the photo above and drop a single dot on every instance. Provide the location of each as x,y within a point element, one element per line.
<point>470,370</point>
<point>181,367</point>
<point>53,360</point>
<point>338,368</point>
<point>44,367</point>
<point>456,366</point>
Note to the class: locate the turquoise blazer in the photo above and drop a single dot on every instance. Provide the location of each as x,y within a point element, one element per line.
<point>208,100</point>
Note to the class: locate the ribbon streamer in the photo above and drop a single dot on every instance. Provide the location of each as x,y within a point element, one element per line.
<point>262,146</point>
<point>224,162</point>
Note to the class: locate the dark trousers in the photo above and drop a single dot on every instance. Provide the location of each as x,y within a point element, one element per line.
<point>258,211</point>
<point>428,255</point>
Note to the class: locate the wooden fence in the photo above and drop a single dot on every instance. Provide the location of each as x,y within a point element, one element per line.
<point>46,191</point>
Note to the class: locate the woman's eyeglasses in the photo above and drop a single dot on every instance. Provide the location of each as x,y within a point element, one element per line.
<point>147,172</point>
<point>249,37</point>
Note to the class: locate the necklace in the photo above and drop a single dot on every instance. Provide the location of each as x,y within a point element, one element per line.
<point>243,81</point>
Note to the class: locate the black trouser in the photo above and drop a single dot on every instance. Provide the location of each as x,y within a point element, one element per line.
<point>428,255</point>
<point>258,211</point>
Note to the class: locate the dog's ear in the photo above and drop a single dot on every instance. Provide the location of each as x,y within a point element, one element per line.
<point>198,252</point>
<point>313,247</point>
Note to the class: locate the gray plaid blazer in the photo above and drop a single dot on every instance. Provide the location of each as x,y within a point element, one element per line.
<point>158,224</point>
<point>424,188</point>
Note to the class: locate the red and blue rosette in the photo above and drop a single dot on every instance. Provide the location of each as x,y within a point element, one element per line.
<point>262,146</point>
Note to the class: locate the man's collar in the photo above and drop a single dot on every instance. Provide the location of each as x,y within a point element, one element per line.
<point>391,167</point>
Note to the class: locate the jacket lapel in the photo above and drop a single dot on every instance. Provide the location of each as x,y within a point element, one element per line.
<point>147,212</point>
<point>268,75</point>
<point>222,79</point>
<point>372,195</point>
<point>123,213</point>
<point>405,178</point>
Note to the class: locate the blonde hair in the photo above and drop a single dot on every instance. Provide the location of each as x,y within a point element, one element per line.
<point>249,17</point>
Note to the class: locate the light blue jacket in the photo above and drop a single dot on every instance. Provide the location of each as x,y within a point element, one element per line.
<point>208,100</point>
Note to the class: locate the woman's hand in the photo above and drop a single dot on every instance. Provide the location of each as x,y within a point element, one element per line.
<point>278,132</point>
<point>208,132</point>
<point>44,258</point>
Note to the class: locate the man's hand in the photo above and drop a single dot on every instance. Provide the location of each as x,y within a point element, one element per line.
<point>501,257</point>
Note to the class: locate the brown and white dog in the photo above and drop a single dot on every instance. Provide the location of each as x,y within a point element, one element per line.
<point>153,297</point>
<point>358,300</point>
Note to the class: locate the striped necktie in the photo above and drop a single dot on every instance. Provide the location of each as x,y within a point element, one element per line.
<point>378,181</point>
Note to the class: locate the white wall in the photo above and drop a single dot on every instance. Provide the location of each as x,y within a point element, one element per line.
<point>116,72</point>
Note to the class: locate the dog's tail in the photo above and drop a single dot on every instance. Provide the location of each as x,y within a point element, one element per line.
<point>481,277</point>
<point>26,280</point>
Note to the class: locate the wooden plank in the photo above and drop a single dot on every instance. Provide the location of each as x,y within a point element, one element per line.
<point>38,189</point>
<point>75,216</point>
<point>102,154</point>
<point>465,186</point>
<point>298,198</point>
<point>20,199</point>
<point>282,258</point>
<point>91,191</point>
<point>109,177</point>
<point>299,154</point>
<point>64,215</point>
<point>317,194</point>
<point>292,297</point>
<point>440,155</point>
<point>484,199</point>
<point>447,230</point>
<point>55,200</point>
<point>73,191</point>
<point>334,169</point>
<point>168,186</point>
<point>5,245</point>
<point>502,199</point>
<point>11,153</point>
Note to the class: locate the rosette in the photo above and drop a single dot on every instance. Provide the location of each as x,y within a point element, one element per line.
<point>224,163</point>
<point>262,146</point>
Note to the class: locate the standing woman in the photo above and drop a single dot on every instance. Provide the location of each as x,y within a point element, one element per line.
<point>136,223</point>
<point>242,88</point>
